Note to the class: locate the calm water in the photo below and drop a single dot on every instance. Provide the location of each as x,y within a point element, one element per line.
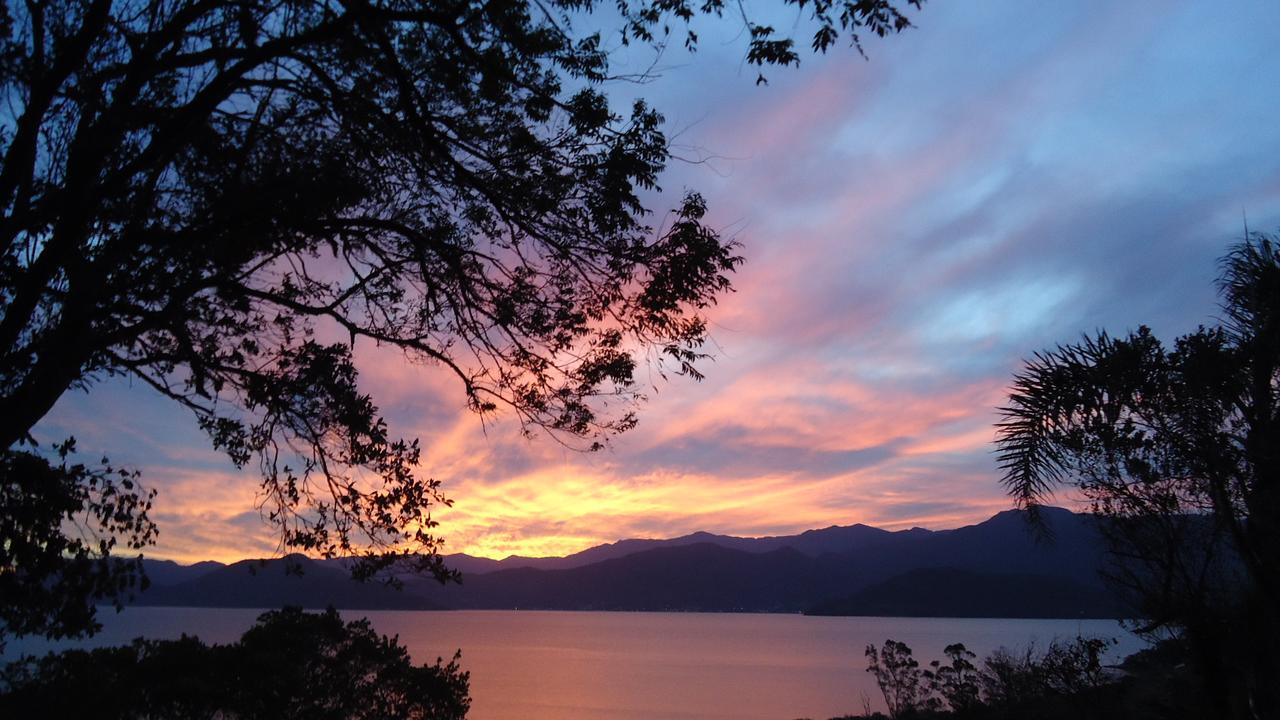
<point>644,666</point>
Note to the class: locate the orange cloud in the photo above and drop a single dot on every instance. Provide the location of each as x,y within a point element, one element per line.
<point>909,239</point>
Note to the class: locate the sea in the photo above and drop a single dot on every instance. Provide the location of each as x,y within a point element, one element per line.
<point>534,665</point>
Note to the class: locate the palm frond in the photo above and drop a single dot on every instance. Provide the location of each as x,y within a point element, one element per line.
<point>1249,283</point>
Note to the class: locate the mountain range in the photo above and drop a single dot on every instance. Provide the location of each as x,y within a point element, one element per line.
<point>1001,567</point>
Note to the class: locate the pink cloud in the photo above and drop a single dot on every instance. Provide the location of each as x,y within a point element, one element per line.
<point>859,364</point>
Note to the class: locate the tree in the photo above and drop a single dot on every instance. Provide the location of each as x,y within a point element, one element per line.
<point>1066,680</point>
<point>290,664</point>
<point>219,199</point>
<point>1177,451</point>
<point>1066,673</point>
<point>956,682</point>
<point>900,680</point>
<point>46,576</point>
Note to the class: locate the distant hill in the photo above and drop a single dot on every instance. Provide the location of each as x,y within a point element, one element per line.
<point>168,572</point>
<point>947,592</point>
<point>471,565</point>
<point>773,575</point>
<point>965,546</point>
<point>810,542</point>
<point>267,584</point>
<point>1000,561</point>
<point>698,578</point>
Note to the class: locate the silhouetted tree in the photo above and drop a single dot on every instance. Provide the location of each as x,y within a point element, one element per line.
<point>291,664</point>
<point>1009,678</point>
<point>49,577</point>
<point>1067,679</point>
<point>1066,675</point>
<point>1179,451</point>
<point>900,680</point>
<point>217,199</point>
<point>957,682</point>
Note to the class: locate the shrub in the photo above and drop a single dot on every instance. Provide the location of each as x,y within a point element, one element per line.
<point>899,677</point>
<point>290,664</point>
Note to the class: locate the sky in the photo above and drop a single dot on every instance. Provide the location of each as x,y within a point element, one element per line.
<point>1003,177</point>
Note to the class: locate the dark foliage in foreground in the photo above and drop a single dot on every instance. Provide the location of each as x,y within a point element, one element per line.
<point>46,577</point>
<point>1065,681</point>
<point>1179,448</point>
<point>291,664</point>
<point>218,199</point>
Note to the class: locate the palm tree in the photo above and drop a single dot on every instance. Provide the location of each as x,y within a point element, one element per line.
<point>1176,451</point>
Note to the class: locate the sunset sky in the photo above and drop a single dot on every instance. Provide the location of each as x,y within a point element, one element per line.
<point>1002,178</point>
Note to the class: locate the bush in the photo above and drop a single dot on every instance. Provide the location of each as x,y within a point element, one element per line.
<point>1066,676</point>
<point>956,683</point>
<point>290,664</point>
<point>1063,669</point>
<point>899,677</point>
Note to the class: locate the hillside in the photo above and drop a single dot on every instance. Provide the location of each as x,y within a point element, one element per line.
<point>947,592</point>
<point>1000,568</point>
<point>274,584</point>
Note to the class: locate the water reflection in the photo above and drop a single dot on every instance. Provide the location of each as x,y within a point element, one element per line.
<point>644,666</point>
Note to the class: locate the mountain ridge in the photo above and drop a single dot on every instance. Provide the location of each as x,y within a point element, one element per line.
<point>804,540</point>
<point>719,573</point>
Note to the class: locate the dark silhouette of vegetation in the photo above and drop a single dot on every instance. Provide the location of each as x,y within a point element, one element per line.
<point>1065,681</point>
<point>900,679</point>
<point>290,664</point>
<point>1179,451</point>
<point>47,576</point>
<point>1063,670</point>
<point>957,682</point>
<point>219,199</point>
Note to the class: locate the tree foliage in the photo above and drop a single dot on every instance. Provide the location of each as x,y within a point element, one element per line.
<point>290,664</point>
<point>1067,675</point>
<point>219,199</point>
<point>45,577</point>
<point>1177,450</point>
<point>1063,669</point>
<point>957,682</point>
<point>899,676</point>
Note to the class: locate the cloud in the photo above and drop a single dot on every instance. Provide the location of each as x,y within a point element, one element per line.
<point>1001,179</point>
